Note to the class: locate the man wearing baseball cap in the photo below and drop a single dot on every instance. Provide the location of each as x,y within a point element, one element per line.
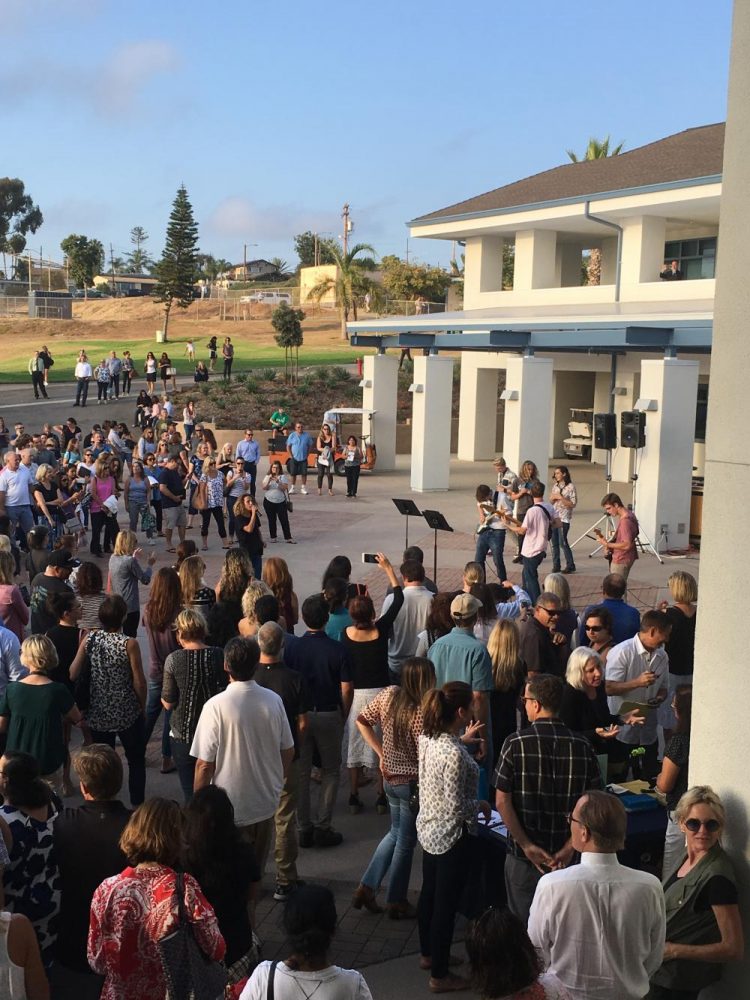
<point>460,656</point>
<point>52,581</point>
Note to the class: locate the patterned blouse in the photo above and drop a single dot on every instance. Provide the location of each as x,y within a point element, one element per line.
<point>400,762</point>
<point>215,490</point>
<point>448,803</point>
<point>32,879</point>
<point>130,912</point>
<point>114,703</point>
<point>191,677</point>
<point>568,491</point>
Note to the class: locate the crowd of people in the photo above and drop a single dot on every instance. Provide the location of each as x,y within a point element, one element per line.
<point>495,705</point>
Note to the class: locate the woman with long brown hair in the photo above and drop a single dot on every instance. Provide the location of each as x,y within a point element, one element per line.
<point>446,824</point>
<point>276,574</point>
<point>159,617</point>
<point>520,494</point>
<point>195,593</point>
<point>102,487</point>
<point>397,711</point>
<point>366,675</point>
<point>508,675</point>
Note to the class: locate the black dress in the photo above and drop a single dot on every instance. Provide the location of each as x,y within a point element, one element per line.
<point>680,647</point>
<point>585,715</point>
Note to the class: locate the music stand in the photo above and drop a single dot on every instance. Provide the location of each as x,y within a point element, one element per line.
<point>438,523</point>
<point>407,508</point>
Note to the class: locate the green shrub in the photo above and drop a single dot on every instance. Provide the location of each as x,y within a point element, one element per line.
<point>341,374</point>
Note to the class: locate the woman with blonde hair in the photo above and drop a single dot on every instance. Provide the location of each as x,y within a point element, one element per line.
<point>131,912</point>
<point>33,710</point>
<point>211,489</point>
<point>45,496</point>
<point>248,625</point>
<point>226,458</point>
<point>397,713</point>
<point>473,573</point>
<point>520,494</point>
<point>680,646</point>
<point>704,925</point>
<point>192,674</point>
<point>276,574</point>
<point>14,612</point>
<point>508,675</point>
<point>125,573</point>
<point>195,593</point>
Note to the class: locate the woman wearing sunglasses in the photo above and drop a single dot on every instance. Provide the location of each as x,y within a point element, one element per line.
<point>704,928</point>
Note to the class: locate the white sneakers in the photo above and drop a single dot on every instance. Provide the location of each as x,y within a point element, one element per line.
<point>292,489</point>
<point>303,490</point>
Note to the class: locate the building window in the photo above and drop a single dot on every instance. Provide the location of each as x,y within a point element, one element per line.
<point>696,258</point>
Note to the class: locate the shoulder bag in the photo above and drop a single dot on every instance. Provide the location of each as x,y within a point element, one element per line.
<point>271,977</point>
<point>200,498</point>
<point>189,974</point>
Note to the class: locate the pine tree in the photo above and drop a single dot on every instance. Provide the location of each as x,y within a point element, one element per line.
<point>177,271</point>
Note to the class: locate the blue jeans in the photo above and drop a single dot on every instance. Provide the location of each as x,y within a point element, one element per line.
<point>530,576</point>
<point>492,541</point>
<point>21,517</point>
<point>185,765</point>
<point>559,539</point>
<point>396,850</point>
<point>153,711</point>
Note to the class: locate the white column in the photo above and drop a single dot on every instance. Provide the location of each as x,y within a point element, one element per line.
<point>381,395</point>
<point>431,423</point>
<point>719,740</point>
<point>483,267</point>
<point>477,408</point>
<point>527,418</point>
<point>534,265</point>
<point>642,249</point>
<point>665,464</point>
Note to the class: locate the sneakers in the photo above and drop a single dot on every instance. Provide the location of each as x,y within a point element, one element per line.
<point>381,804</point>
<point>292,489</point>
<point>327,837</point>
<point>355,804</point>
<point>302,490</point>
<point>283,890</point>
<point>151,541</point>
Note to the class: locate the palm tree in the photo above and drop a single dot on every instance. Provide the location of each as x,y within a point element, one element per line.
<point>597,149</point>
<point>282,268</point>
<point>351,281</point>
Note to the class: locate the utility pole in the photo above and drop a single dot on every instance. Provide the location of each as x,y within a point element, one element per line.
<point>315,250</point>
<point>28,258</point>
<point>112,269</point>
<point>347,227</point>
<point>244,264</point>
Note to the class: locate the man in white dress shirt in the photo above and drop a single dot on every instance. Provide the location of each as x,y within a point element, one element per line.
<point>599,926</point>
<point>637,671</point>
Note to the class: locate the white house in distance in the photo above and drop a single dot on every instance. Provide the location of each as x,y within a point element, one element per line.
<point>634,342</point>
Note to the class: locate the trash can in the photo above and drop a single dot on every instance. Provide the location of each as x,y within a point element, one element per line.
<point>161,337</point>
<point>696,514</point>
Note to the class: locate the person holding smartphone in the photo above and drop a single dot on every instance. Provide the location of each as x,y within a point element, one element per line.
<point>276,504</point>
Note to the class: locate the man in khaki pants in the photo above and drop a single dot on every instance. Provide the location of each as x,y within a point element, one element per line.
<point>292,688</point>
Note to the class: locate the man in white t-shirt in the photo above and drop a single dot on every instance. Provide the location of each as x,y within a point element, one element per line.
<point>538,524</point>
<point>244,744</point>
<point>83,374</point>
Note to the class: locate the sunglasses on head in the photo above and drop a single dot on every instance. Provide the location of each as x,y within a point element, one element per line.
<point>709,825</point>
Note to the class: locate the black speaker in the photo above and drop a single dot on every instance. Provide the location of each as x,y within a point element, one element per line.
<point>633,429</point>
<point>605,430</point>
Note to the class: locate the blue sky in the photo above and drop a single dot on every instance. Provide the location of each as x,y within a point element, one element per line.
<point>273,115</point>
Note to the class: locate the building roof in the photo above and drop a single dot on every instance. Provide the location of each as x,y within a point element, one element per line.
<point>688,155</point>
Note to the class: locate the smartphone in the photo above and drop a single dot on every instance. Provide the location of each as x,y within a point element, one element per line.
<point>369,557</point>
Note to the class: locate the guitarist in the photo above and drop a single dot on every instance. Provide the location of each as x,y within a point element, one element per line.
<point>622,548</point>
<point>490,532</point>
<point>538,524</point>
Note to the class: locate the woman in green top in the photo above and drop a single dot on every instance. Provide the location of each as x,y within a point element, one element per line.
<point>32,711</point>
<point>704,927</point>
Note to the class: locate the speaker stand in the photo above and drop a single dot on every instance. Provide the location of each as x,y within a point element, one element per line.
<point>649,546</point>
<point>605,518</point>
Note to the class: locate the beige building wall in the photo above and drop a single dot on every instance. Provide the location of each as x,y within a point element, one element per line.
<point>309,278</point>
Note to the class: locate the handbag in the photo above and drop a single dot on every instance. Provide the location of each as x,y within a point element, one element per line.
<point>200,497</point>
<point>82,686</point>
<point>148,520</point>
<point>171,371</point>
<point>271,977</point>
<point>289,506</point>
<point>189,974</point>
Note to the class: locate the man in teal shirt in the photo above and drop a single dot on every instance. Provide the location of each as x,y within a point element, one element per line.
<point>459,656</point>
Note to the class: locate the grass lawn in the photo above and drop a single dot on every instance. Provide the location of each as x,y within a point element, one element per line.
<point>131,325</point>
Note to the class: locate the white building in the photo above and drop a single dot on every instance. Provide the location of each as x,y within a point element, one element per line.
<point>633,337</point>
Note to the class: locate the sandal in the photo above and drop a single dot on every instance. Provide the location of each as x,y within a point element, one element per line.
<point>171,550</point>
<point>450,984</point>
<point>290,541</point>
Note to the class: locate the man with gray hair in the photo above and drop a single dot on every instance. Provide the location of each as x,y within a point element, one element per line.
<point>599,926</point>
<point>292,688</point>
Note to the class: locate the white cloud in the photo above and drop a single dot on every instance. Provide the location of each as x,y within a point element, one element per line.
<point>113,86</point>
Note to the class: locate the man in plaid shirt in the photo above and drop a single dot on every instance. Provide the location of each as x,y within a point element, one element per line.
<point>541,773</point>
